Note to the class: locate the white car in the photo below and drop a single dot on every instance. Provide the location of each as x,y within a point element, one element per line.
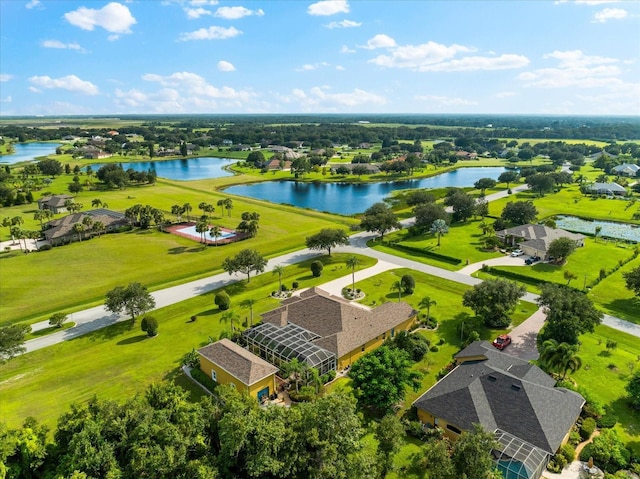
<point>517,252</point>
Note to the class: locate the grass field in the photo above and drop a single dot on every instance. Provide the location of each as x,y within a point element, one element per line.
<point>119,361</point>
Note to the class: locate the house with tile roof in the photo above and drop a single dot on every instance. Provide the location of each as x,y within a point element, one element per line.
<point>530,417</point>
<point>54,203</point>
<point>609,189</point>
<point>62,230</point>
<point>534,240</point>
<point>327,327</point>
<point>229,363</point>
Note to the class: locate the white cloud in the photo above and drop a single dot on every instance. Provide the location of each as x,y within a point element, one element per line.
<point>193,13</point>
<point>577,58</point>
<point>310,67</point>
<point>225,66</point>
<point>113,17</point>
<point>5,77</point>
<point>505,94</point>
<point>588,2</point>
<point>7,99</point>
<point>61,45</point>
<point>476,63</point>
<point>234,13</point>
<point>609,14</point>
<point>34,89</point>
<point>113,38</point>
<point>328,7</point>
<point>211,33</point>
<point>344,24</point>
<point>340,68</point>
<point>446,100</point>
<point>346,49</point>
<point>33,4</point>
<point>203,2</point>
<point>322,99</point>
<point>194,84</point>
<point>379,41</point>
<point>69,82</point>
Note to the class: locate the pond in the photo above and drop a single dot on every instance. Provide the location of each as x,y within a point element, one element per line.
<point>350,198</point>
<point>28,152</point>
<point>184,169</point>
<point>610,229</point>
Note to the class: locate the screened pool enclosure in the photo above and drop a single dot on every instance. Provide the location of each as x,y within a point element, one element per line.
<point>279,345</point>
<point>517,459</point>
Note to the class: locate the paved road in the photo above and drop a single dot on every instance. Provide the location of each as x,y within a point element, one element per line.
<point>98,317</point>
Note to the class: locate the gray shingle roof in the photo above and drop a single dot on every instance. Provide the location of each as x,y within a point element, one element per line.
<point>237,361</point>
<point>503,392</point>
<point>537,236</point>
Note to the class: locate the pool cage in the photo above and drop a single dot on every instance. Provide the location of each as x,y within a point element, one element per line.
<point>517,459</point>
<point>279,345</point>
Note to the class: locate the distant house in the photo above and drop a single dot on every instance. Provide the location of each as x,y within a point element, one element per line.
<point>371,169</point>
<point>54,203</point>
<point>62,231</point>
<point>229,363</point>
<point>534,240</point>
<point>276,164</point>
<point>112,133</point>
<point>509,397</point>
<point>466,155</point>
<point>324,331</point>
<point>604,153</point>
<point>227,142</point>
<point>609,189</point>
<point>627,169</point>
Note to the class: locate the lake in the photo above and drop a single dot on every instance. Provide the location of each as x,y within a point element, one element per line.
<point>28,152</point>
<point>184,169</point>
<point>350,198</point>
<point>610,229</point>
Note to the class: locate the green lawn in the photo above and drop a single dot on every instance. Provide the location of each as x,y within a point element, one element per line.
<point>119,361</point>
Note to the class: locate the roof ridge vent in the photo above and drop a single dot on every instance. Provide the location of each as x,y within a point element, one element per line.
<point>492,378</point>
<point>516,387</point>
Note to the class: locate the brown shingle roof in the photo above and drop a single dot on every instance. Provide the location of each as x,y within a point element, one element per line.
<point>343,326</point>
<point>237,361</point>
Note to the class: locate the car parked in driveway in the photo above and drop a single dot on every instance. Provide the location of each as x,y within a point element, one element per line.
<point>517,252</point>
<point>502,341</point>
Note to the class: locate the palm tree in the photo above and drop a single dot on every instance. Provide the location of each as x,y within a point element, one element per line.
<point>248,303</point>
<point>6,222</point>
<point>187,208</point>
<point>427,302</point>
<point>16,232</point>
<point>559,357</point>
<point>79,228</point>
<point>98,227</point>
<point>569,276</point>
<point>352,262</point>
<point>96,202</point>
<point>294,367</point>
<point>397,286</point>
<point>177,210</point>
<point>440,228</point>
<point>39,216</point>
<point>232,318</point>
<point>202,227</point>
<point>216,232</point>
<point>278,269</point>
<point>87,222</point>
<point>598,231</point>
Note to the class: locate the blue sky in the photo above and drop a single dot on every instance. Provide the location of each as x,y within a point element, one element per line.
<point>348,56</point>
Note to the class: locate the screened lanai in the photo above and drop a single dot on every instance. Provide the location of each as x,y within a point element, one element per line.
<point>279,345</point>
<point>517,459</point>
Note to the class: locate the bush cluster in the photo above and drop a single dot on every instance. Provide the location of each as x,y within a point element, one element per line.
<point>430,254</point>
<point>603,274</point>
<point>203,379</point>
<point>587,428</point>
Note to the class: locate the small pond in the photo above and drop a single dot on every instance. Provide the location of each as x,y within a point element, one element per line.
<point>350,198</point>
<point>610,229</point>
<point>28,152</point>
<point>183,169</point>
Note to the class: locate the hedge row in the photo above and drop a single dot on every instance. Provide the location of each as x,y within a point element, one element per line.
<point>515,276</point>
<point>203,379</point>
<point>620,264</point>
<point>428,254</point>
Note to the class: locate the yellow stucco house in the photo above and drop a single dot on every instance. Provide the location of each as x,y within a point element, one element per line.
<point>228,363</point>
<point>324,331</point>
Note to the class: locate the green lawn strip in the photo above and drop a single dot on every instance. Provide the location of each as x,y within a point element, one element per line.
<point>605,374</point>
<point>49,330</point>
<point>612,296</point>
<point>119,361</point>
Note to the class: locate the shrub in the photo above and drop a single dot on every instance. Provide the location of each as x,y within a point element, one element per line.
<point>222,301</point>
<point>191,359</point>
<point>568,451</point>
<point>45,247</point>
<point>441,342</point>
<point>415,429</point>
<point>587,428</point>
<point>149,325</point>
<point>434,349</point>
<point>294,285</point>
<point>607,421</point>
<point>557,463</point>
<point>316,268</point>
<point>283,287</point>
<point>574,438</point>
<point>408,283</point>
<point>305,394</point>
<point>203,379</point>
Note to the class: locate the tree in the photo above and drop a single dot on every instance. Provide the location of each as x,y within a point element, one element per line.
<point>216,232</point>
<point>202,227</point>
<point>327,238</point>
<point>187,208</point>
<point>57,319</point>
<point>427,302</point>
<point>96,203</point>
<point>353,262</point>
<point>633,388</point>
<point>397,286</point>
<point>420,197</point>
<point>149,325</point>
<point>519,212</point>
<point>379,218</point>
<point>227,204</point>
<point>279,270</point>
<point>12,340</point>
<point>222,300</point>
<point>294,367</point>
<point>249,303</point>
<point>316,268</point>
<point>408,283</point>
<point>133,299</point>
<point>99,227</point>
<point>381,376</point>
<point>425,214</point>
<point>246,262</point>
<point>389,433</point>
<point>471,454</point>
<point>435,459</point>
<point>483,183</point>
<point>569,276</point>
<point>462,205</point>
<point>439,227</point>
<point>570,313</point>
<point>232,318</point>
<point>494,300</point>
<point>559,357</point>
<point>541,183</point>
<point>50,167</point>
<point>561,248</point>
<point>249,223</point>
<point>632,280</point>
<point>508,177</point>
